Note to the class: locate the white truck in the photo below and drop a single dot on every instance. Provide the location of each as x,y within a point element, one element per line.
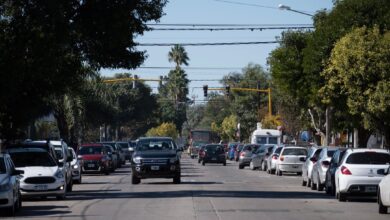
<point>265,136</point>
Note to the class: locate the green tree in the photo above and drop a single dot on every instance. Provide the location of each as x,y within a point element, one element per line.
<point>47,49</point>
<point>229,127</point>
<point>163,130</point>
<point>178,55</point>
<point>359,70</point>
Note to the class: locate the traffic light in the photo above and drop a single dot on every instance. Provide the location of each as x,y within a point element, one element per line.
<point>227,90</point>
<point>205,87</point>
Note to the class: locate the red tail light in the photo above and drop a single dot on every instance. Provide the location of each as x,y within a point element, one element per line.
<point>274,157</point>
<point>242,154</point>
<point>281,158</point>
<point>345,171</point>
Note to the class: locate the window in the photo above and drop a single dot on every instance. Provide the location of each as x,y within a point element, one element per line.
<point>155,145</point>
<point>295,151</point>
<point>31,159</point>
<point>261,140</point>
<point>3,169</point>
<point>330,153</point>
<point>272,140</point>
<point>368,158</point>
<point>90,150</point>
<point>277,151</point>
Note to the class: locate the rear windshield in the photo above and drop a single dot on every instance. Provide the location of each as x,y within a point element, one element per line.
<point>213,149</point>
<point>2,165</point>
<point>368,158</point>
<point>90,150</point>
<point>155,145</point>
<point>277,151</point>
<point>33,159</point>
<point>294,151</point>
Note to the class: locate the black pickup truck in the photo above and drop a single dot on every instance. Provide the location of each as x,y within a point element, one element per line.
<point>155,157</point>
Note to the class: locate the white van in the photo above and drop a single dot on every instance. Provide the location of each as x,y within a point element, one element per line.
<point>266,136</point>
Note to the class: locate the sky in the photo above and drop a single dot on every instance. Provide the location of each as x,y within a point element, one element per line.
<point>213,62</point>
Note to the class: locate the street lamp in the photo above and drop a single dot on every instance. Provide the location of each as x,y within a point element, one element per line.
<point>288,8</point>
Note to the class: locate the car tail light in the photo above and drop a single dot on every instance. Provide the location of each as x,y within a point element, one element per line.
<point>345,171</point>
<point>275,157</point>
<point>242,154</point>
<point>281,158</point>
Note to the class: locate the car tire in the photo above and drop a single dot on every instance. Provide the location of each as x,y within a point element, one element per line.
<point>135,180</point>
<point>272,171</point>
<point>241,166</point>
<point>313,186</point>
<point>263,166</point>
<point>79,181</point>
<point>203,163</point>
<point>304,183</point>
<point>299,173</point>
<point>199,160</point>
<point>279,173</point>
<point>177,179</point>
<point>381,209</point>
<point>69,187</point>
<point>20,203</point>
<point>224,163</point>
<point>268,171</point>
<point>328,190</point>
<point>251,166</point>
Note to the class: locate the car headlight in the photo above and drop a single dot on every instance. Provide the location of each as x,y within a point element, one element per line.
<point>5,186</point>
<point>75,166</point>
<point>137,159</point>
<point>59,174</point>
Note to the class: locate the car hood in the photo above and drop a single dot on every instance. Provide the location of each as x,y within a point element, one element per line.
<point>38,171</point>
<point>155,154</point>
<point>3,177</point>
<point>92,157</point>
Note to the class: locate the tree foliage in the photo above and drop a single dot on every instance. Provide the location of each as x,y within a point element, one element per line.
<point>163,130</point>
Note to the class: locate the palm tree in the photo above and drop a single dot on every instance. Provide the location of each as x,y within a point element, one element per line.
<point>178,55</point>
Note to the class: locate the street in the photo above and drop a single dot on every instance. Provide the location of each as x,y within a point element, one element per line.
<point>207,192</point>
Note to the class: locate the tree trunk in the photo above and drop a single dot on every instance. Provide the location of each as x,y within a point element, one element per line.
<point>363,136</point>
<point>62,124</point>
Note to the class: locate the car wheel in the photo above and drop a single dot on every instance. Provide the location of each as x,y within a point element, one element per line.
<point>203,163</point>
<point>328,190</point>
<point>299,173</point>
<point>177,179</point>
<point>199,160</point>
<point>240,166</point>
<point>224,163</point>
<point>20,203</point>
<point>320,186</point>
<point>382,209</point>
<point>135,180</point>
<point>263,166</point>
<point>268,171</point>
<point>313,186</point>
<point>69,187</point>
<point>342,197</point>
<point>304,183</point>
<point>251,166</point>
<point>279,173</point>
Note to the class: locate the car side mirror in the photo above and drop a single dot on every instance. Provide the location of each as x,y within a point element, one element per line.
<point>17,172</point>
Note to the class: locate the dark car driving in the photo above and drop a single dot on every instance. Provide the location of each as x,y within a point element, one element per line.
<point>155,157</point>
<point>214,153</point>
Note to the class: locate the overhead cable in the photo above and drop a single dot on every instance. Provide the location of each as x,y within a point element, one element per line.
<point>232,29</point>
<point>208,44</point>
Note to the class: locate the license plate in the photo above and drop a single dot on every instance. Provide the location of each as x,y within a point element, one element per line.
<point>213,158</point>
<point>91,165</point>
<point>41,188</point>
<point>154,167</point>
<point>370,189</point>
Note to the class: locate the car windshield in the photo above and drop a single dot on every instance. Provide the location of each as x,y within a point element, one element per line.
<point>294,151</point>
<point>90,150</point>
<point>330,153</point>
<point>124,145</point>
<point>155,145</point>
<point>33,159</point>
<point>59,153</point>
<point>2,165</point>
<point>277,151</point>
<point>369,158</point>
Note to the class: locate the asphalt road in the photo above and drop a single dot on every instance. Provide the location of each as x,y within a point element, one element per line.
<point>206,192</point>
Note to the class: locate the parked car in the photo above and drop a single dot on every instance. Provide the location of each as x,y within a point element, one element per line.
<point>214,153</point>
<point>320,168</point>
<point>384,192</point>
<point>272,159</point>
<point>358,172</point>
<point>133,145</point>
<point>330,187</point>
<point>291,160</point>
<point>307,168</point>
<point>10,196</point>
<point>95,159</point>
<point>117,151</point>
<point>42,176</point>
<point>246,155</point>
<point>155,157</point>
<point>45,145</point>
<point>260,157</point>
<point>75,166</point>
<point>64,160</point>
<point>125,147</point>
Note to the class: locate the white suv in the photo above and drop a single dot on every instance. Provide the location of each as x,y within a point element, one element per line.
<point>360,172</point>
<point>384,192</point>
<point>10,198</point>
<point>42,176</point>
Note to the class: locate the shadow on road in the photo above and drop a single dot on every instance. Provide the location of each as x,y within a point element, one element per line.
<point>42,210</point>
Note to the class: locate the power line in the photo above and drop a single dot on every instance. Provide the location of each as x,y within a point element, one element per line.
<point>232,29</point>
<point>194,68</point>
<point>247,4</point>
<point>208,44</point>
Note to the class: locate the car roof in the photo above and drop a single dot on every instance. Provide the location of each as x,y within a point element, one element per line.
<point>359,150</point>
<point>21,150</point>
<point>299,147</point>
